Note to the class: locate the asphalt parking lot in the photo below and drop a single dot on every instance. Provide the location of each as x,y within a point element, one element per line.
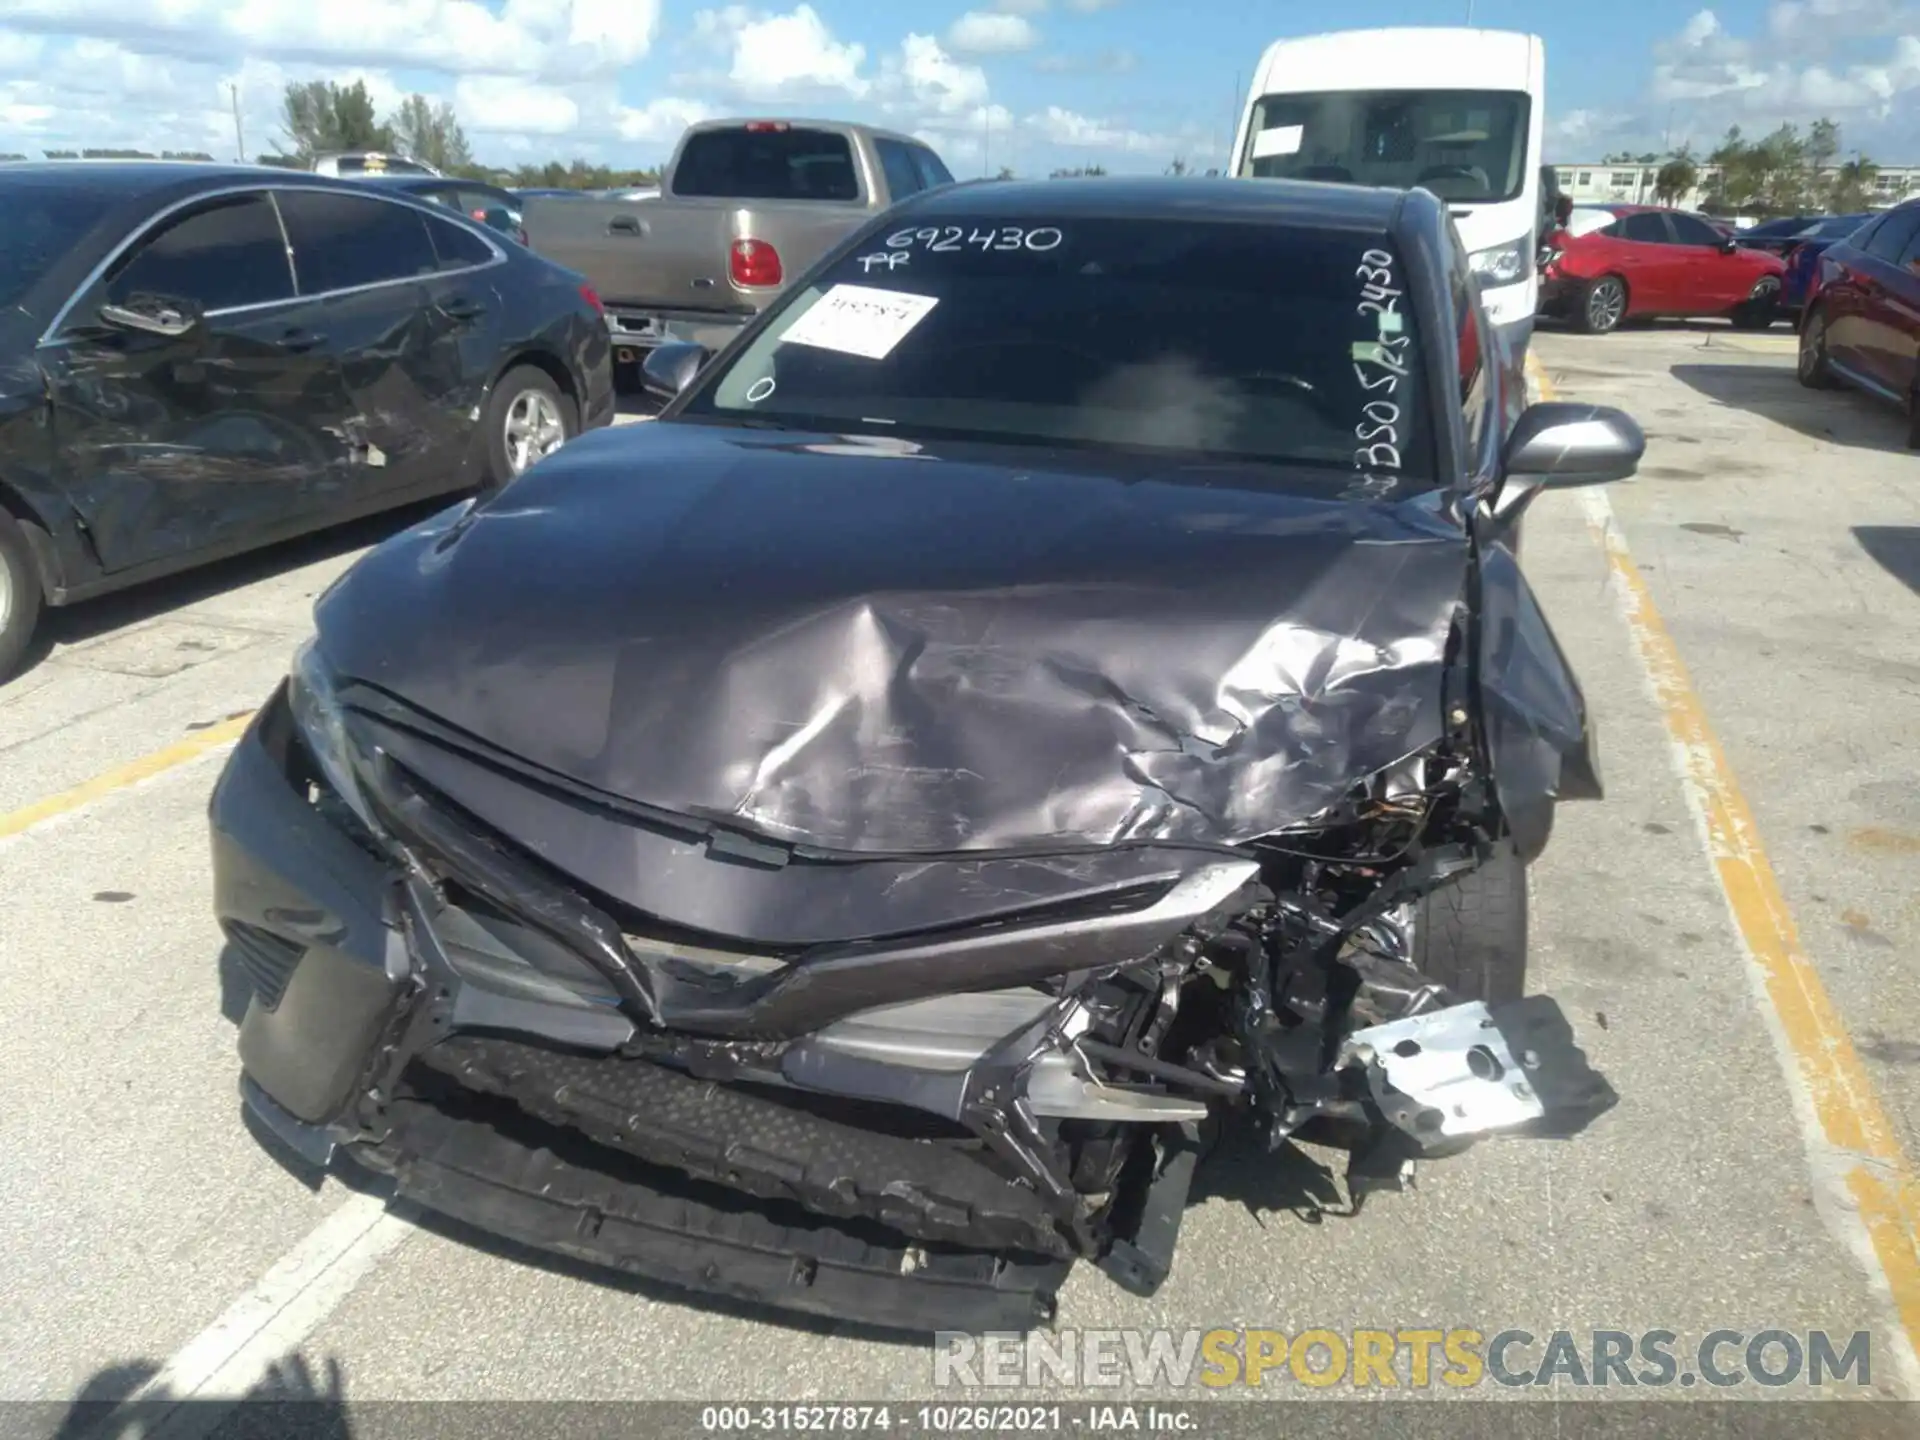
<point>1730,930</point>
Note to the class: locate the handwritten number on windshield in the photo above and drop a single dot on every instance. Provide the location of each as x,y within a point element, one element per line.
<point>1379,364</point>
<point>944,239</point>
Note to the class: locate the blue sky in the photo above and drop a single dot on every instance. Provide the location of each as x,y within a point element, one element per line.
<point>1035,84</point>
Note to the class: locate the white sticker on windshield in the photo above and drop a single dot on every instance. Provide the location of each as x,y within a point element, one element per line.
<point>860,320</point>
<point>1280,140</point>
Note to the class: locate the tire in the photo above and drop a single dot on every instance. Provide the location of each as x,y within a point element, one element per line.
<point>20,596</point>
<point>1602,306</point>
<point>1762,307</point>
<point>1812,366</point>
<point>519,427</point>
<point>1913,427</point>
<point>1471,933</point>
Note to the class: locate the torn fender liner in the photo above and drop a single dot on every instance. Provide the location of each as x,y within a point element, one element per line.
<point>967,649</point>
<point>715,1132</point>
<point>704,1238</point>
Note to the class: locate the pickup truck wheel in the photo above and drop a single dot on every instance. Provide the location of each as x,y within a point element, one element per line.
<point>1913,418</point>
<point>1471,933</point>
<point>527,419</point>
<point>20,597</point>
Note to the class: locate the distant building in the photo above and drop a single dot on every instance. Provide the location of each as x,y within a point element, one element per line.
<point>1597,183</point>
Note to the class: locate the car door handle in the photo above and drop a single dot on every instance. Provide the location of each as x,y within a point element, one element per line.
<point>461,308</point>
<point>623,225</point>
<point>299,341</point>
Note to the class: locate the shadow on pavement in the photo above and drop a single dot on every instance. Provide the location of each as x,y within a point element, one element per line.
<point>1774,392</point>
<point>291,1400</point>
<point>1895,548</point>
<point>70,625</point>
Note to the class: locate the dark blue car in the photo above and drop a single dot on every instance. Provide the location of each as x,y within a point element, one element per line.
<point>1803,254</point>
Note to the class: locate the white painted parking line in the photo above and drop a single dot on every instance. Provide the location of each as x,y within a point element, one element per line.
<point>264,1326</point>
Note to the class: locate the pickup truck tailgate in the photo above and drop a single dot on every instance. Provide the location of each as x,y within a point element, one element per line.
<point>641,252</point>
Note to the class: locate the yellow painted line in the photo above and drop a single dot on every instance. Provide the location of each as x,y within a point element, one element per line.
<point>1847,1117</point>
<point>134,772</point>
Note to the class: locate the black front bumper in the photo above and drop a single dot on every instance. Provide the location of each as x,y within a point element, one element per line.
<point>343,980</point>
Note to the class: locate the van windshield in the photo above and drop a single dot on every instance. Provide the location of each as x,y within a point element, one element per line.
<point>1465,146</point>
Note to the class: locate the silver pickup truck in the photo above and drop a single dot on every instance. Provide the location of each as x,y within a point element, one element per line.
<point>745,206</point>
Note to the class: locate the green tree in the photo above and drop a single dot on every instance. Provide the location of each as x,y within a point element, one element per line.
<point>1178,166</point>
<point>1852,187</point>
<point>1675,178</point>
<point>1006,173</point>
<point>320,116</point>
<point>432,134</point>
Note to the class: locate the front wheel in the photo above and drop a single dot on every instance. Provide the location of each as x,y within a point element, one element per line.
<point>1761,308</point>
<point>20,595</point>
<point>1604,305</point>
<point>1812,368</point>
<point>527,419</point>
<point>1470,934</point>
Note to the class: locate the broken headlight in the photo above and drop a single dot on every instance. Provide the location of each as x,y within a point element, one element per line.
<point>315,701</point>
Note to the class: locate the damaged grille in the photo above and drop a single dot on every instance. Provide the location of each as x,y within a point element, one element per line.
<point>925,1189</point>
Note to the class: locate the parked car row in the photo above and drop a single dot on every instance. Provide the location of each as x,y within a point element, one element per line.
<point>198,359</point>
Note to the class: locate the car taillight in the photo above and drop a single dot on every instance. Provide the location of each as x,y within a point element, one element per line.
<point>754,264</point>
<point>592,297</point>
<point>478,214</point>
<point>767,127</point>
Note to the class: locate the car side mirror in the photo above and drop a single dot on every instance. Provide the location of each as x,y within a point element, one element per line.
<point>1729,246</point>
<point>152,315</point>
<point>1559,444</point>
<point>669,369</point>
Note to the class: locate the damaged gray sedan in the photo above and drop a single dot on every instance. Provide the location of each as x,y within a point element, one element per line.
<point>1057,686</point>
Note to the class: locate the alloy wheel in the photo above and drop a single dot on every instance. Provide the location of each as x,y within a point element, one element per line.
<point>1813,346</point>
<point>1606,305</point>
<point>6,596</point>
<point>534,430</point>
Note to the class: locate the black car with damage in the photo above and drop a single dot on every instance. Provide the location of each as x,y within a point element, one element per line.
<point>1057,685</point>
<point>199,359</point>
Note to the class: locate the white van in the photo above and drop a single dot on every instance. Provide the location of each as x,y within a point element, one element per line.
<point>1455,111</point>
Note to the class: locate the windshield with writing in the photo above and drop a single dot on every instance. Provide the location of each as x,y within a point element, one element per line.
<point>1465,146</point>
<point>1220,340</point>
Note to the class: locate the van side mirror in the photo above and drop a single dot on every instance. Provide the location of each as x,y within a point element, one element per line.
<point>669,369</point>
<point>1559,444</point>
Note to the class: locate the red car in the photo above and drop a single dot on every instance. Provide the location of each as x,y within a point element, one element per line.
<point>1862,320</point>
<point>1652,261</point>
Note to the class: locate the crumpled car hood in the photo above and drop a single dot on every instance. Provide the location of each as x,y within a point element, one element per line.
<point>870,648</point>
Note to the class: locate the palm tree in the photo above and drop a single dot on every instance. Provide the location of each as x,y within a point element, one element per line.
<point>1853,186</point>
<point>1678,176</point>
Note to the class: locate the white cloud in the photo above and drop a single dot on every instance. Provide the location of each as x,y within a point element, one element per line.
<point>923,77</point>
<point>455,37</point>
<point>984,32</point>
<point>1854,61</point>
<point>1075,131</point>
<point>504,104</point>
<point>1088,7</point>
<point>661,121</point>
<point>773,56</point>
